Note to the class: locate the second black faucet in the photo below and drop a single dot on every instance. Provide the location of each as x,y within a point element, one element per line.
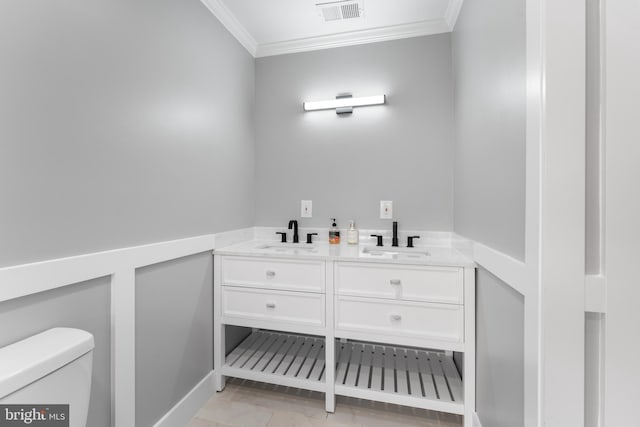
<point>294,224</point>
<point>394,239</point>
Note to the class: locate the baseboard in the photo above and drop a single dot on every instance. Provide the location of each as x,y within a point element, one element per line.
<point>476,420</point>
<point>183,411</point>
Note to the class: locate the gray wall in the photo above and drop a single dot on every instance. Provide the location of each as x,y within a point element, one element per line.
<point>593,261</point>
<point>489,79</point>
<point>174,331</point>
<point>593,384</point>
<point>593,196</point>
<point>122,122</point>
<point>489,53</point>
<point>84,306</point>
<point>500,352</point>
<point>401,151</point>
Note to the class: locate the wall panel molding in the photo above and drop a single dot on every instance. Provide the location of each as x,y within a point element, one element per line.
<point>595,293</point>
<point>120,265</point>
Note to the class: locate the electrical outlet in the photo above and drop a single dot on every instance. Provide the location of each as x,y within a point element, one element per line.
<point>306,209</point>
<point>386,209</point>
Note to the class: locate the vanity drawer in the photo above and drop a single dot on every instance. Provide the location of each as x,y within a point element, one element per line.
<point>298,275</point>
<point>400,282</point>
<point>301,308</point>
<point>444,322</point>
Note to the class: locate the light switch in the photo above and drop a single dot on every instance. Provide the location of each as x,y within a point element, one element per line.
<point>306,209</point>
<point>386,209</point>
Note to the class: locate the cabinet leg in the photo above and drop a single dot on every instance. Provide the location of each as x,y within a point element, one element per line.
<point>219,381</point>
<point>468,419</point>
<point>330,402</point>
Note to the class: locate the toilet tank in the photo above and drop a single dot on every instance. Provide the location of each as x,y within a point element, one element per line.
<point>53,367</point>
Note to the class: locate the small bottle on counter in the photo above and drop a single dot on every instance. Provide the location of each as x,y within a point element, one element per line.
<point>334,233</point>
<point>352,233</point>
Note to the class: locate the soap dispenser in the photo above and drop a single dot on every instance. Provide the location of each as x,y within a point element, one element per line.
<point>334,233</point>
<point>352,233</point>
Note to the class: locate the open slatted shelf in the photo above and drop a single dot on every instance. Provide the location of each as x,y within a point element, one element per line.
<point>404,376</point>
<point>288,360</point>
<point>412,377</point>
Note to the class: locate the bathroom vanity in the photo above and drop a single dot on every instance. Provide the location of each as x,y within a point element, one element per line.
<point>394,325</point>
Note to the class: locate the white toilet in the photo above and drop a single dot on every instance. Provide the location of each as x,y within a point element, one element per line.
<point>53,367</point>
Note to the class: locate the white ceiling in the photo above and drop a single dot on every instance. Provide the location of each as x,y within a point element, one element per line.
<point>274,27</point>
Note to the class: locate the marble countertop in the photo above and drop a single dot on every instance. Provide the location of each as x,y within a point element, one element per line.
<point>420,255</point>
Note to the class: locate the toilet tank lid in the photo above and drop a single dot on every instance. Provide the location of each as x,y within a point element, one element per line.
<point>26,361</point>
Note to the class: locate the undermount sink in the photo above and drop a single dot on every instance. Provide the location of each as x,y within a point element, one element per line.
<point>394,253</point>
<point>288,248</point>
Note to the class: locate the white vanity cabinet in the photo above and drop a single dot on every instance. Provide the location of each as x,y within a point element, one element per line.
<point>266,293</point>
<point>406,322</point>
<point>407,304</point>
<point>382,331</point>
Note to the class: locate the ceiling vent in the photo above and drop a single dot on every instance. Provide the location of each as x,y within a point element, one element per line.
<point>340,10</point>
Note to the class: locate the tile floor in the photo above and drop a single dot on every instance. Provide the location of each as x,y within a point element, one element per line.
<point>253,404</point>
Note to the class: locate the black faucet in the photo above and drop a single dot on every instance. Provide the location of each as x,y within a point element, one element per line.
<point>294,224</point>
<point>394,239</point>
<point>410,240</point>
<point>379,239</point>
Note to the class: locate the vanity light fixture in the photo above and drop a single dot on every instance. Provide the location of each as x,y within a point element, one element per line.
<point>344,103</point>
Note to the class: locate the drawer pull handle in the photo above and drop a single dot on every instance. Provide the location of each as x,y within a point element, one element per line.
<point>395,282</point>
<point>395,317</point>
<point>271,305</point>
<point>271,273</point>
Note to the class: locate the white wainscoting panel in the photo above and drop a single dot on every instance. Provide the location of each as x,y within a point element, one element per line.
<point>120,264</point>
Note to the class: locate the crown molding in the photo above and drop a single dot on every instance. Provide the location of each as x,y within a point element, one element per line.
<point>452,13</point>
<point>231,23</point>
<point>351,38</point>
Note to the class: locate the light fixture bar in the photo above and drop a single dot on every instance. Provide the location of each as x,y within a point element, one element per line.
<point>344,102</point>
